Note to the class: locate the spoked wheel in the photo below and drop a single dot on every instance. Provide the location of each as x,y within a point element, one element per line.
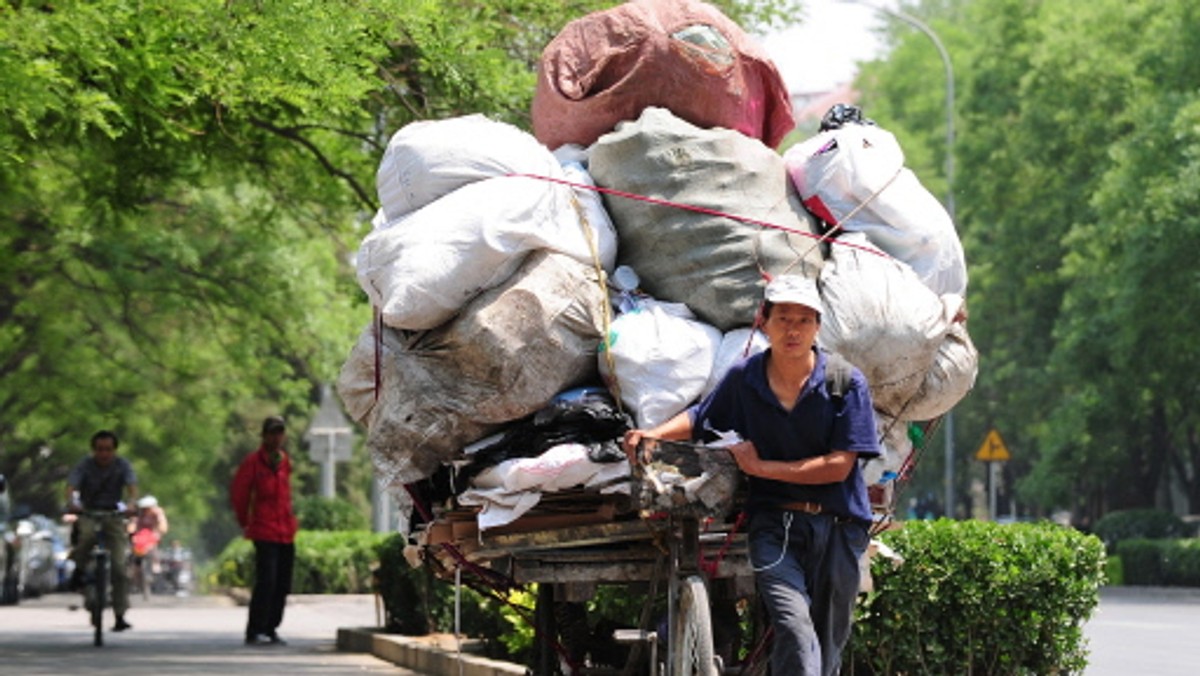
<point>691,634</point>
<point>99,587</point>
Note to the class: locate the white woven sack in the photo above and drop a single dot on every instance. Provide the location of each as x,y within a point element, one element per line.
<point>838,171</point>
<point>426,266</point>
<point>712,263</point>
<point>430,159</point>
<point>736,345</point>
<point>662,358</point>
<point>882,319</point>
<point>950,379</point>
<point>504,357</point>
<point>593,214</point>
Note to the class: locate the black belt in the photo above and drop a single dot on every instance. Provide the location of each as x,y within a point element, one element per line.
<point>815,508</point>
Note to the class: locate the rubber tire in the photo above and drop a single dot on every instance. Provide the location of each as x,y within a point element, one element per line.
<point>99,589</point>
<point>691,636</point>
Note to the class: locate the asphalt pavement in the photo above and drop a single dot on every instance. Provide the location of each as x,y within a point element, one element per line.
<point>1147,631</point>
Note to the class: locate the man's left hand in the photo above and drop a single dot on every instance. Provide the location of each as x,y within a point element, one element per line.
<point>746,456</point>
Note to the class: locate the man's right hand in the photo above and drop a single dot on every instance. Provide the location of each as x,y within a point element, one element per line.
<point>630,442</point>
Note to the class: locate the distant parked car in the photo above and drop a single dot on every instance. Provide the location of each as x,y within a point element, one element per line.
<point>39,540</point>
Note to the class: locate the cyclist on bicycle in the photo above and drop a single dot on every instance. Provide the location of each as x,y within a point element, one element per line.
<point>101,481</point>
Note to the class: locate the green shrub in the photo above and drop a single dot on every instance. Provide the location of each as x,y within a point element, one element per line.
<point>327,562</point>
<point>403,589</point>
<point>1129,524</point>
<point>1170,563</point>
<point>979,597</point>
<point>1114,571</point>
<point>415,602</point>
<point>317,513</point>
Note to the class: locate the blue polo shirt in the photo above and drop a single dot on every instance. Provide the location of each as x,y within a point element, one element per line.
<point>744,403</point>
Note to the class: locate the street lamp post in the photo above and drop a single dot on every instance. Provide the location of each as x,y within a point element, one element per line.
<point>928,32</point>
<point>330,440</point>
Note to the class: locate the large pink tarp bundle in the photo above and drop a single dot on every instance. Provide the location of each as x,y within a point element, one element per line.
<point>682,55</point>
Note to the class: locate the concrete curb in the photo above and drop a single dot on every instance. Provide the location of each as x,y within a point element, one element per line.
<point>436,655</point>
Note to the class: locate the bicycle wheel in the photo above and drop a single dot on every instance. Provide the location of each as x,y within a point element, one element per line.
<point>99,599</point>
<point>691,632</point>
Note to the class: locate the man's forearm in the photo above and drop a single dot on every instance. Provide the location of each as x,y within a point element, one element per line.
<point>822,469</point>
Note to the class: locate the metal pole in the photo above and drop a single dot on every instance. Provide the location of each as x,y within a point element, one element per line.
<point>992,488</point>
<point>327,467</point>
<point>928,32</point>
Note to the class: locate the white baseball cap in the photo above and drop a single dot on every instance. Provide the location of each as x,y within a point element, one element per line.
<point>794,289</point>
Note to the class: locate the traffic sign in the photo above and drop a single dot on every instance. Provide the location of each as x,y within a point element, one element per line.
<point>993,448</point>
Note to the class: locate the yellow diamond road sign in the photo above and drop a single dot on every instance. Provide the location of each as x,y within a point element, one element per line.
<point>993,448</point>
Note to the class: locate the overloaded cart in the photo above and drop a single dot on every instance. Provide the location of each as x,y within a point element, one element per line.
<point>537,294</point>
<point>669,539</point>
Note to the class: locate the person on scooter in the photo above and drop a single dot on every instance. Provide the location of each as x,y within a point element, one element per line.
<point>146,531</point>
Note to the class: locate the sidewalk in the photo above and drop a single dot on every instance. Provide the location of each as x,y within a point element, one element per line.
<point>191,635</point>
<point>436,655</point>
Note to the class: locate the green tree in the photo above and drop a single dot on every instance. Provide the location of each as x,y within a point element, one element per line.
<point>182,185</point>
<point>1075,192</point>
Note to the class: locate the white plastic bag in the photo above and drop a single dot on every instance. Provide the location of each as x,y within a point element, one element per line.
<point>855,177</point>
<point>662,359</point>
<point>736,345</point>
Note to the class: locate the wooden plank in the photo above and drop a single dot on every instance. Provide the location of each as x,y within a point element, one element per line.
<point>592,555</point>
<point>459,526</point>
<point>575,536</point>
<point>533,571</point>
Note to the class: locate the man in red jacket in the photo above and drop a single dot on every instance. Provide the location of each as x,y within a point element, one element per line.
<point>262,500</point>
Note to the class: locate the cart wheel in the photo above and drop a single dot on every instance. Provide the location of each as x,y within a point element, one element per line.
<point>691,635</point>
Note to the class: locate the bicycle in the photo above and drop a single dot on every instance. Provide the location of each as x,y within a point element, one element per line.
<point>96,578</point>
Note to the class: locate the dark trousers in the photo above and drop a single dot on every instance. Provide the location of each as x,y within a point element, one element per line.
<point>806,571</point>
<point>273,562</point>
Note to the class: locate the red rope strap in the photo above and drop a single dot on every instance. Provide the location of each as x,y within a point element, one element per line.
<point>701,210</point>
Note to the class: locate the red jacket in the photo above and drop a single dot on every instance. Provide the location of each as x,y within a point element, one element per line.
<point>262,498</point>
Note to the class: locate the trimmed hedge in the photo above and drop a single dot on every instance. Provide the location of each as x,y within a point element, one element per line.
<point>1132,524</point>
<point>318,513</point>
<point>1164,563</point>
<point>979,597</point>
<point>327,562</point>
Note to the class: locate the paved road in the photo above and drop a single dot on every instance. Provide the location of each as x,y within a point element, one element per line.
<point>201,635</point>
<point>1148,632</point>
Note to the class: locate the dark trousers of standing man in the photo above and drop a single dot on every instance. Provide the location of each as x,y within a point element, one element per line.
<point>273,563</point>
